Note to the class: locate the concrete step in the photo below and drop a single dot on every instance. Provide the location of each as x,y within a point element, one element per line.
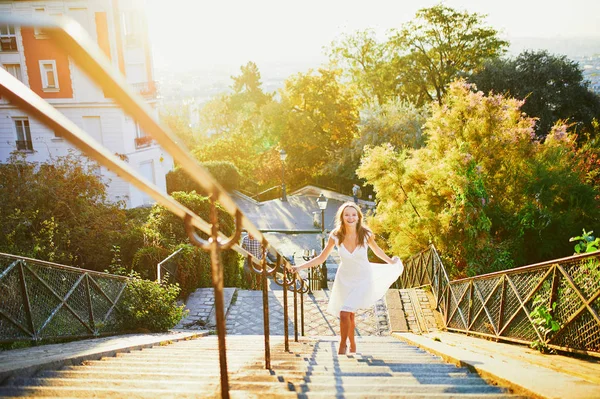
<point>200,384</point>
<point>383,368</point>
<point>264,376</point>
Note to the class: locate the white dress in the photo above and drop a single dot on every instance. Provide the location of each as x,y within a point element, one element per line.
<point>359,283</point>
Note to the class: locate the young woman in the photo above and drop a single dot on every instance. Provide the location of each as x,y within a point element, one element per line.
<point>358,283</point>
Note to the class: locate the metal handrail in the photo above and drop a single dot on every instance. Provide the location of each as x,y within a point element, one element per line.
<point>73,39</point>
<point>159,266</point>
<point>499,305</point>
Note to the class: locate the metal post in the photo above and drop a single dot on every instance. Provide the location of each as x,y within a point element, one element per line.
<point>285,305</point>
<point>302,310</point>
<point>295,312</point>
<point>283,193</point>
<point>324,266</point>
<point>265,296</point>
<point>215,246</point>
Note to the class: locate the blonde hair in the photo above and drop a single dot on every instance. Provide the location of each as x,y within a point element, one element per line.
<point>363,233</point>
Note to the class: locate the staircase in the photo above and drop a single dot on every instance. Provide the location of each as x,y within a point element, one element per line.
<point>383,367</point>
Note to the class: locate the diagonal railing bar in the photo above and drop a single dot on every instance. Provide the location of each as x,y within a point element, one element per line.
<point>16,323</point>
<point>484,307</point>
<point>528,297</point>
<point>574,316</point>
<point>458,309</point>
<point>578,292</point>
<point>112,302</point>
<point>8,269</point>
<point>521,307</point>
<point>502,299</point>
<point>60,299</point>
<point>90,306</point>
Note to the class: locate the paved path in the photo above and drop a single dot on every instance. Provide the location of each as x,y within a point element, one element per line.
<point>297,212</point>
<point>245,314</point>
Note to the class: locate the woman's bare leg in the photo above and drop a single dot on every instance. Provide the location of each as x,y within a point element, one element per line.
<point>351,328</point>
<point>344,323</point>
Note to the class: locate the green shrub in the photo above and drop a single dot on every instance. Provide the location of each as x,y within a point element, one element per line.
<point>164,233</point>
<point>148,305</point>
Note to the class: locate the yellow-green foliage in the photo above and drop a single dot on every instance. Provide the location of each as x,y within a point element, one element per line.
<point>482,189</point>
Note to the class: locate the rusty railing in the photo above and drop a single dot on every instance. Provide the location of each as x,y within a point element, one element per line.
<point>43,300</point>
<point>501,305</point>
<point>74,40</point>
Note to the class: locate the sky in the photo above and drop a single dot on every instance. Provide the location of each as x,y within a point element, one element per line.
<point>191,34</point>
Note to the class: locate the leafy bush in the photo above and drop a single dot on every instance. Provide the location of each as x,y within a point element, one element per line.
<point>148,305</point>
<point>58,211</point>
<point>586,242</point>
<point>164,233</point>
<point>226,173</point>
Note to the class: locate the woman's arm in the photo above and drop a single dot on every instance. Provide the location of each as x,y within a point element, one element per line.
<point>319,259</point>
<point>379,252</point>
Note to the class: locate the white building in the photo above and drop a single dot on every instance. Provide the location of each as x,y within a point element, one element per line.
<point>119,28</point>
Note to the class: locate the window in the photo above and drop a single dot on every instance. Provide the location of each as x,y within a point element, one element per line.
<point>23,134</point>
<point>8,38</point>
<point>131,28</point>
<point>141,140</point>
<point>14,70</point>
<point>49,76</point>
<point>39,32</point>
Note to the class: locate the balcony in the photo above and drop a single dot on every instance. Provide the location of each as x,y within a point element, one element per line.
<point>24,145</point>
<point>146,89</point>
<point>143,142</point>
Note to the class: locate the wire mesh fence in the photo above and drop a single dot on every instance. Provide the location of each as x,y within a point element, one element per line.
<point>554,304</point>
<point>43,300</point>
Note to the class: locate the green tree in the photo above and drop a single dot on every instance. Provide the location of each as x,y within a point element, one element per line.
<point>417,62</point>
<point>247,88</point>
<point>397,122</point>
<point>238,129</point>
<point>487,193</point>
<point>440,45</point>
<point>318,116</point>
<point>368,66</point>
<point>552,86</point>
<point>58,212</point>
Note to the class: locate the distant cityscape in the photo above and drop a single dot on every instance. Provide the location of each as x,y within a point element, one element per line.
<point>194,88</point>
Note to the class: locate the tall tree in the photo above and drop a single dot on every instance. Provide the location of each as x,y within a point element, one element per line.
<point>247,88</point>
<point>368,65</point>
<point>320,115</point>
<point>418,61</point>
<point>552,86</point>
<point>441,44</point>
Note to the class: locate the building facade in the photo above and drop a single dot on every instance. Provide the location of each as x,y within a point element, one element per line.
<point>119,28</point>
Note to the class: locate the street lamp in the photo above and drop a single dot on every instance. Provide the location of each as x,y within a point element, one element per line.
<point>322,202</point>
<point>282,156</point>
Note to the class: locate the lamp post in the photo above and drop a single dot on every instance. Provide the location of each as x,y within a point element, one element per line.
<point>282,156</point>
<point>322,202</point>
